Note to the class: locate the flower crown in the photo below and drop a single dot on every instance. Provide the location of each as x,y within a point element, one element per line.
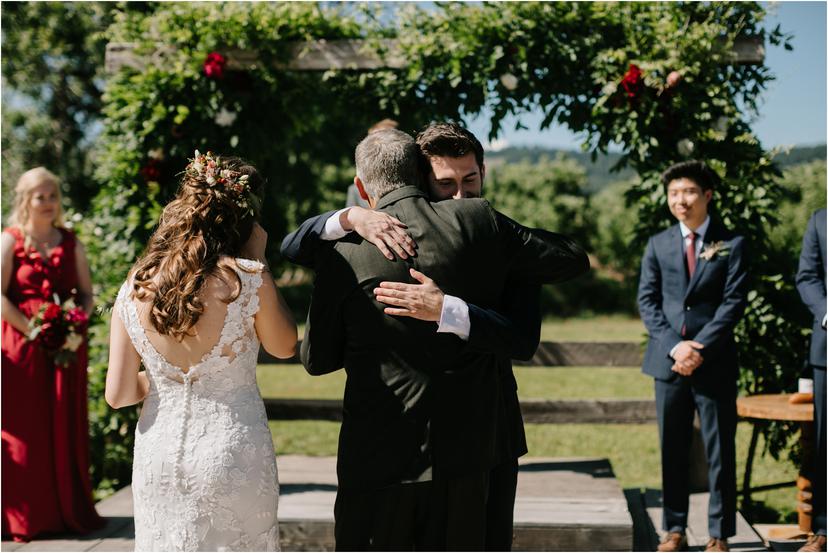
<point>211,169</point>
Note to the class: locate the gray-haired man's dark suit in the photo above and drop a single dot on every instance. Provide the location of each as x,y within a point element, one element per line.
<point>510,329</point>
<point>810,281</point>
<point>417,404</point>
<point>704,308</point>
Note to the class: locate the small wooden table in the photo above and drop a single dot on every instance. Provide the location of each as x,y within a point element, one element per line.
<point>777,407</point>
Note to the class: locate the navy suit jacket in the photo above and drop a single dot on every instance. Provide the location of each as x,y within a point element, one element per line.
<point>709,305</point>
<point>810,281</point>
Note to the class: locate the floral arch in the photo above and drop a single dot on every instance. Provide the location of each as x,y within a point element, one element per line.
<point>659,80</point>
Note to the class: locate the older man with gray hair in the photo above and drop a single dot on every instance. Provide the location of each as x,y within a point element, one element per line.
<point>404,400</point>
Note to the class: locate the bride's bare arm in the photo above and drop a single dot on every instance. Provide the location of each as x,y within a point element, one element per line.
<point>125,385</point>
<point>274,322</point>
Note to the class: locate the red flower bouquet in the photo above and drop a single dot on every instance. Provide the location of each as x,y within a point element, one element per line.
<point>60,330</point>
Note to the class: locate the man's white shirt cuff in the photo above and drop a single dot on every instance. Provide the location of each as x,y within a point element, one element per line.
<point>673,351</point>
<point>333,229</point>
<point>455,317</point>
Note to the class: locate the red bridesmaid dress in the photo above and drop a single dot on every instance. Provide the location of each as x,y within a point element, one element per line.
<point>46,486</point>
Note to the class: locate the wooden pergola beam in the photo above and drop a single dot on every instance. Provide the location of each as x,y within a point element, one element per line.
<point>319,55</point>
<point>346,54</point>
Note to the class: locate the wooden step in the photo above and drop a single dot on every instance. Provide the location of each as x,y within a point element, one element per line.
<point>562,505</point>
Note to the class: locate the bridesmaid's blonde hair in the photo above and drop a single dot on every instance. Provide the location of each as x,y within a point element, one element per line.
<point>26,184</point>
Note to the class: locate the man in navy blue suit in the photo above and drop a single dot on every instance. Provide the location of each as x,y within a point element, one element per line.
<point>692,293</point>
<point>810,281</point>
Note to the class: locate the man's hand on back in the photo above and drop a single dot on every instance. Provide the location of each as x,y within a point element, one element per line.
<point>422,301</point>
<point>382,230</point>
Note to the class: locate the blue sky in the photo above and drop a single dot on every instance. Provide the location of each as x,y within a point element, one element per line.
<point>793,108</point>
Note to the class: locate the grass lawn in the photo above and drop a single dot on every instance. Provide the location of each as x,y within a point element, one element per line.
<point>600,328</point>
<point>291,381</point>
<point>597,328</point>
<point>632,449</point>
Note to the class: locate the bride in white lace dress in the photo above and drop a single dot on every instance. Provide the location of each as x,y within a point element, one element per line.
<point>194,310</point>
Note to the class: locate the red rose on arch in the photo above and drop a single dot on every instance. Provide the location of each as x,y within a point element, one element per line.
<point>633,82</point>
<point>151,171</point>
<point>214,65</point>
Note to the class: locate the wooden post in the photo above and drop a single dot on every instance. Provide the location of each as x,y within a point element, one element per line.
<point>319,55</point>
<point>342,54</point>
<point>804,494</point>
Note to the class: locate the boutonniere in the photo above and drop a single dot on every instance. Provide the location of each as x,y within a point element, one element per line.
<point>716,249</point>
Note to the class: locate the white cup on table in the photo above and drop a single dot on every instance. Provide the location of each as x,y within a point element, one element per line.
<point>806,386</point>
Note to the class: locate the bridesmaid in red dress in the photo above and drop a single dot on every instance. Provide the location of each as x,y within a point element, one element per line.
<point>46,486</point>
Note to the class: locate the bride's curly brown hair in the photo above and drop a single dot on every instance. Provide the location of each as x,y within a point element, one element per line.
<point>207,220</point>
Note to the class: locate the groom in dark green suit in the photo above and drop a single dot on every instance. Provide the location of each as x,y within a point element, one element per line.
<point>391,475</point>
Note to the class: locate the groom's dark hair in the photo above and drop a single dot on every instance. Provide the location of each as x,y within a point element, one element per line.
<point>449,140</point>
<point>694,170</point>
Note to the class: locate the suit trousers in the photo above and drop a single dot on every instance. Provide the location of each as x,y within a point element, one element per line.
<point>500,507</point>
<point>395,518</point>
<point>818,481</point>
<point>676,401</point>
<point>460,507</point>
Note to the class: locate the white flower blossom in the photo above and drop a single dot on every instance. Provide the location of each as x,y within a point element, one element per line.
<point>722,124</point>
<point>225,118</point>
<point>73,341</point>
<point>609,88</point>
<point>509,81</point>
<point>685,147</point>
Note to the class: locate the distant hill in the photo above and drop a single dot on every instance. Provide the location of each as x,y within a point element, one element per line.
<point>801,154</point>
<point>599,174</point>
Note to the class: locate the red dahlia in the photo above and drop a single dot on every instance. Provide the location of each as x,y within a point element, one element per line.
<point>214,65</point>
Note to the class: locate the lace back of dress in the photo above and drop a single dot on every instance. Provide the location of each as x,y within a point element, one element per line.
<point>238,334</point>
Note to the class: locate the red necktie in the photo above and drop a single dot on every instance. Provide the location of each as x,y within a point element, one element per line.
<point>691,254</point>
<point>691,265</point>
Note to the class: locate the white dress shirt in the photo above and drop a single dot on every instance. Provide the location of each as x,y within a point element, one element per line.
<point>700,232</point>
<point>454,318</point>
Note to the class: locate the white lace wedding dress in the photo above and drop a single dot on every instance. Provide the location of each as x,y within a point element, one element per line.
<point>204,473</point>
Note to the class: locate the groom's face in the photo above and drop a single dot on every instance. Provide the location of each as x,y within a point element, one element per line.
<point>455,178</point>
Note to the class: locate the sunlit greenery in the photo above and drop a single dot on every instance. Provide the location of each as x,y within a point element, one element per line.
<point>653,78</point>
